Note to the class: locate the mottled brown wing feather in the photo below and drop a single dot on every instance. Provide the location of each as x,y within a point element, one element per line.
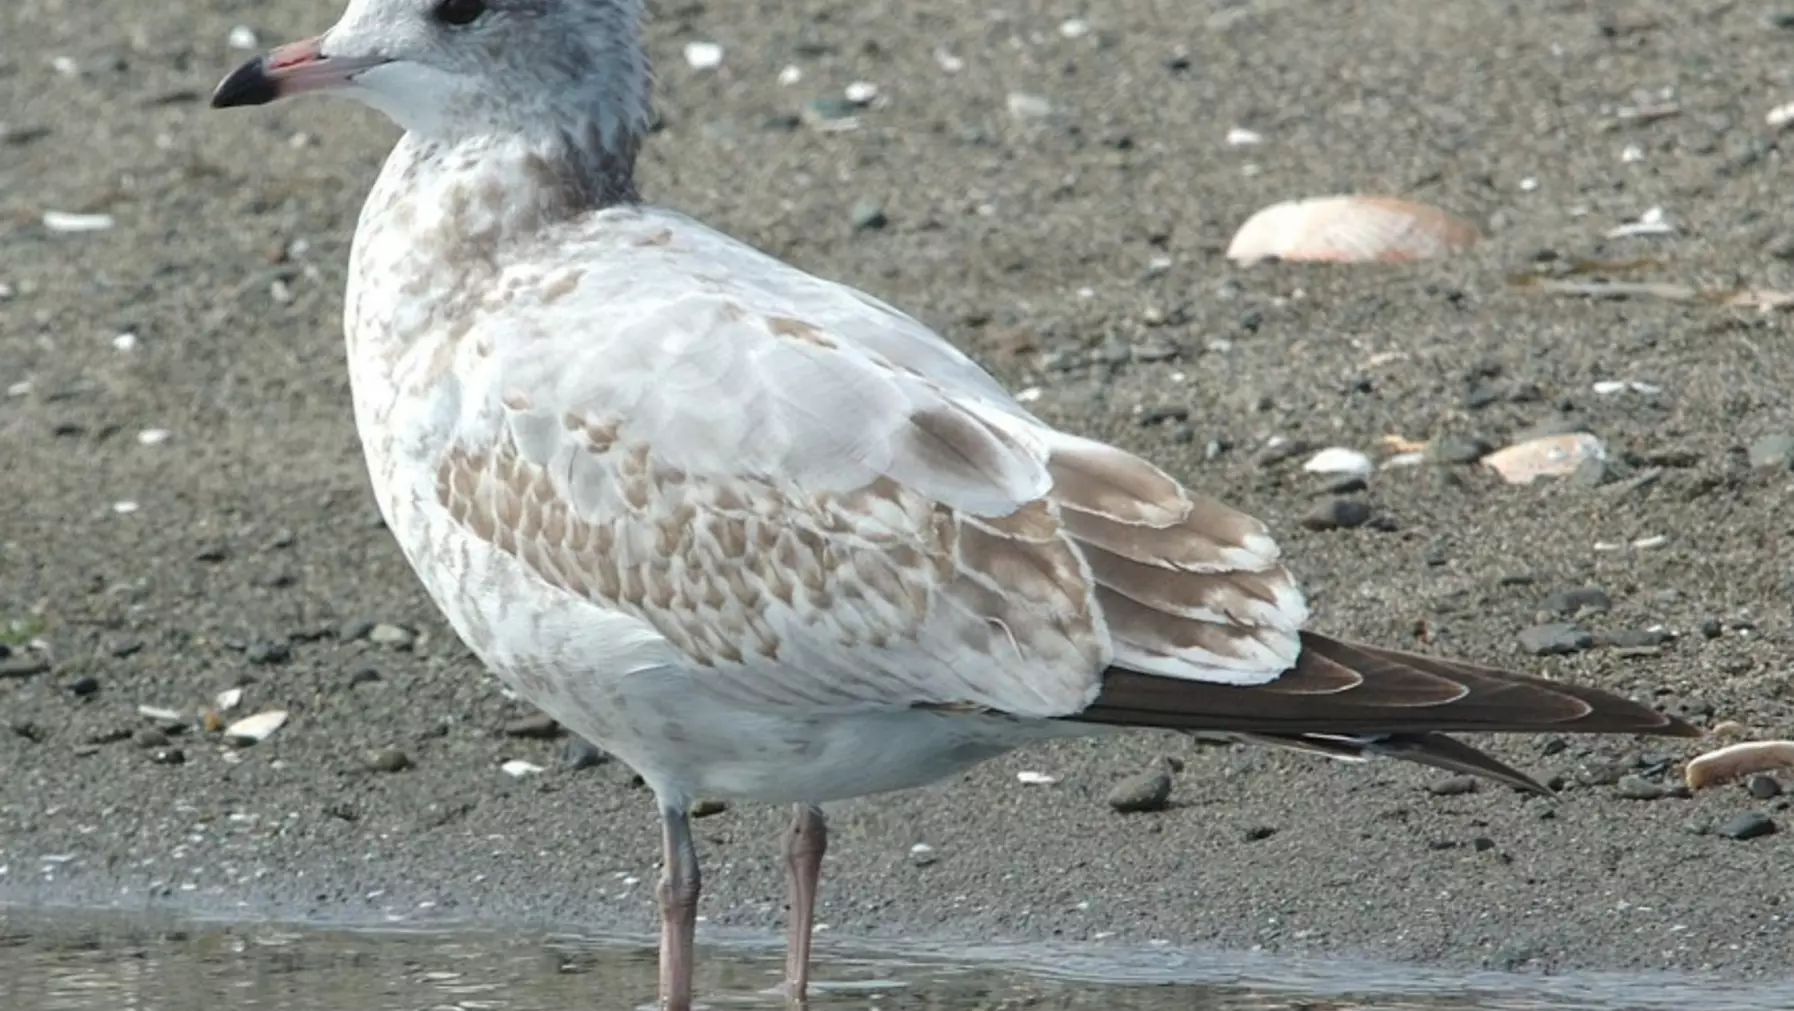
<point>1350,689</point>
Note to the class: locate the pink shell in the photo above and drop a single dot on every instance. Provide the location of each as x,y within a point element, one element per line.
<point>1348,229</point>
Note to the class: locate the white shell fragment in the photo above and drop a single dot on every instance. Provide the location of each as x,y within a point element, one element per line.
<point>1036,778</point>
<point>254,729</point>
<point>1339,460</point>
<point>1650,222</point>
<point>1780,116</point>
<point>1735,761</point>
<point>517,768</point>
<point>228,699</point>
<point>161,714</point>
<point>1239,136</point>
<point>70,222</point>
<point>1350,229</point>
<point>1547,456</point>
<point>703,55</point>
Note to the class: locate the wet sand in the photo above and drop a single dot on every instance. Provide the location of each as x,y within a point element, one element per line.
<point>253,556</point>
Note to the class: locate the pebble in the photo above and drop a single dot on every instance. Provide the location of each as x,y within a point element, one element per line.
<point>169,756</point>
<point>24,665</point>
<point>708,808</point>
<point>268,651</point>
<point>1633,787</point>
<point>1763,787</point>
<point>1772,451</point>
<point>84,685</point>
<point>579,753</point>
<point>1146,791</point>
<point>1337,514</point>
<point>1556,638</point>
<point>1749,825</point>
<point>150,737</point>
<point>1634,638</point>
<point>1024,106</point>
<point>540,726</point>
<point>922,854</point>
<point>1577,601</point>
<point>1456,786</point>
<point>703,55</point>
<point>1456,449</point>
<point>363,675</point>
<point>388,760</point>
<point>518,768</point>
<point>868,216</point>
<point>391,635</point>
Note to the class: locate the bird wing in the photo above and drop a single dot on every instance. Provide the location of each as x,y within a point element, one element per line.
<point>823,504</point>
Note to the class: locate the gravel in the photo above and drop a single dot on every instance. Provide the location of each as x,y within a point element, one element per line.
<point>1097,231</point>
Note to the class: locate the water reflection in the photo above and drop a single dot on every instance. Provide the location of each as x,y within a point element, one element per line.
<point>63,964</point>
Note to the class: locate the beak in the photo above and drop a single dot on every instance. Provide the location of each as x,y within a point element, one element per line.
<point>288,70</point>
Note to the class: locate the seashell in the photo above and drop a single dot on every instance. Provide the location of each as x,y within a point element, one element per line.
<point>228,699</point>
<point>1547,456</point>
<point>517,768</point>
<point>252,729</point>
<point>1735,761</point>
<point>1339,460</point>
<point>1350,229</point>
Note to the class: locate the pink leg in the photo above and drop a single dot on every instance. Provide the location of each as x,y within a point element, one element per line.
<point>804,846</point>
<point>678,894</point>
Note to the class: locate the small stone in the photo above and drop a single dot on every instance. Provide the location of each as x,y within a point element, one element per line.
<point>84,685</point>
<point>168,756</point>
<point>391,635</point>
<point>1578,601</point>
<point>1146,791</point>
<point>540,726</point>
<point>1634,787</point>
<point>1775,451</point>
<point>1482,844</point>
<point>1749,825</point>
<point>268,651</point>
<point>1634,638</point>
<point>1555,639</point>
<point>1711,628</point>
<point>1158,414</point>
<point>150,737</point>
<point>1278,452</point>
<point>363,675</point>
<point>350,631</point>
<point>1023,106</point>
<point>579,753</point>
<point>1457,449</point>
<point>24,665</point>
<point>1456,786</point>
<point>387,760</point>
<point>708,808</point>
<point>1763,787</point>
<point>922,855</point>
<point>868,216</point>
<point>1337,514</point>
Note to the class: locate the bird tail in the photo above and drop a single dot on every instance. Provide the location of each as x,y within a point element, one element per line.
<point>1351,701</point>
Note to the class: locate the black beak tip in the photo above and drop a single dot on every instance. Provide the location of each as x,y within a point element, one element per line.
<point>249,84</point>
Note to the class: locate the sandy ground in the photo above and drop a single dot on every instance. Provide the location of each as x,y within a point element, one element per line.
<point>253,556</point>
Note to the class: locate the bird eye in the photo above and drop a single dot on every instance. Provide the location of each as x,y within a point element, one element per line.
<point>460,12</point>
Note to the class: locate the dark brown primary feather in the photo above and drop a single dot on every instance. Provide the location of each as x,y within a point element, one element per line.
<point>1350,700</point>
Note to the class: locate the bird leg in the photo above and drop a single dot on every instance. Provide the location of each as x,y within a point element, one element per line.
<point>678,895</point>
<point>804,846</point>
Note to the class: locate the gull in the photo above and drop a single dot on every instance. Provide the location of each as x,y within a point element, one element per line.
<point>760,535</point>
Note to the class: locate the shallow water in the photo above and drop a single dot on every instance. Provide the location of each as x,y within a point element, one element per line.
<point>84,963</point>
